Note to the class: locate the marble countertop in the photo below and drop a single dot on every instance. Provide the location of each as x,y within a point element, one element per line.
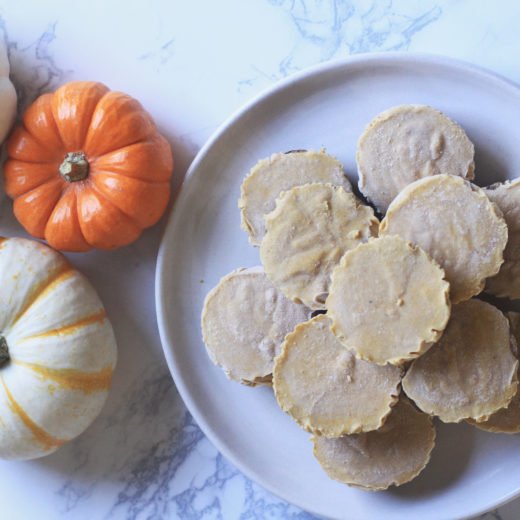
<point>191,64</point>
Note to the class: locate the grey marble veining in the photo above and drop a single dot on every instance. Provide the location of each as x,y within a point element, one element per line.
<point>145,458</point>
<point>328,30</point>
<point>43,74</point>
<point>162,55</point>
<point>159,469</point>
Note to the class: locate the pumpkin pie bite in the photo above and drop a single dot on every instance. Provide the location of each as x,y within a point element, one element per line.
<point>281,172</point>
<point>244,322</point>
<point>471,373</point>
<point>325,389</point>
<point>307,233</point>
<point>506,420</point>
<point>388,301</point>
<point>507,197</point>
<point>406,143</point>
<point>456,224</point>
<point>389,456</point>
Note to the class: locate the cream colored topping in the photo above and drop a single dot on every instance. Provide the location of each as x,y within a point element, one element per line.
<point>456,224</point>
<point>390,456</point>
<point>471,373</point>
<point>507,282</point>
<point>281,172</point>
<point>506,420</point>
<point>407,143</point>
<point>388,301</point>
<point>326,389</point>
<point>244,322</point>
<point>308,232</point>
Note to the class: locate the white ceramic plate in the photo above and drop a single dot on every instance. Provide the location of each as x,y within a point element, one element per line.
<point>327,106</point>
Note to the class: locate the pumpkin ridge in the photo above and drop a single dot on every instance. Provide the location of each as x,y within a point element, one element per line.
<point>93,172</point>
<point>146,139</point>
<point>81,108</point>
<point>152,197</point>
<point>32,118</point>
<point>154,139</point>
<point>131,229</point>
<point>131,218</point>
<point>128,99</point>
<point>72,379</point>
<point>48,181</point>
<point>43,437</point>
<point>98,317</point>
<point>31,134</point>
<point>93,157</point>
<point>62,273</point>
<point>36,138</point>
<point>53,226</point>
<point>34,208</point>
<point>77,211</point>
<point>36,160</point>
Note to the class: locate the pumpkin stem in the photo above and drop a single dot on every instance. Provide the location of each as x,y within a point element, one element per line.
<point>74,167</point>
<point>4,351</point>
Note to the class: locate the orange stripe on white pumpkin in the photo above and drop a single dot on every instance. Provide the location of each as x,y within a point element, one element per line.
<point>98,317</point>
<point>43,437</point>
<point>62,273</point>
<point>72,379</point>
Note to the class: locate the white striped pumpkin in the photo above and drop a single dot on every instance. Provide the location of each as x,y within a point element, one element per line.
<point>57,350</point>
<point>7,95</point>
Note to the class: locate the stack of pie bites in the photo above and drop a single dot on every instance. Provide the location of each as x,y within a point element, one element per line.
<point>367,329</point>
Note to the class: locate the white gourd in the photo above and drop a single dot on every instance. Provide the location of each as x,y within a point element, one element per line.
<point>7,95</point>
<point>57,350</point>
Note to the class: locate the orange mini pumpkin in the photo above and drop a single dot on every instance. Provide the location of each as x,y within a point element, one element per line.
<point>87,168</point>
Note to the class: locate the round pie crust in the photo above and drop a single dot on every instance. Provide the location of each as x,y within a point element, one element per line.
<point>308,232</point>
<point>390,456</point>
<point>325,389</point>
<point>456,224</point>
<point>507,197</point>
<point>506,420</point>
<point>244,322</point>
<point>281,172</point>
<point>388,301</point>
<point>406,143</point>
<point>471,373</point>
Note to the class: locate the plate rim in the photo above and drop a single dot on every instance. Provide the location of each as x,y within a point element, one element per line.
<point>174,215</point>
